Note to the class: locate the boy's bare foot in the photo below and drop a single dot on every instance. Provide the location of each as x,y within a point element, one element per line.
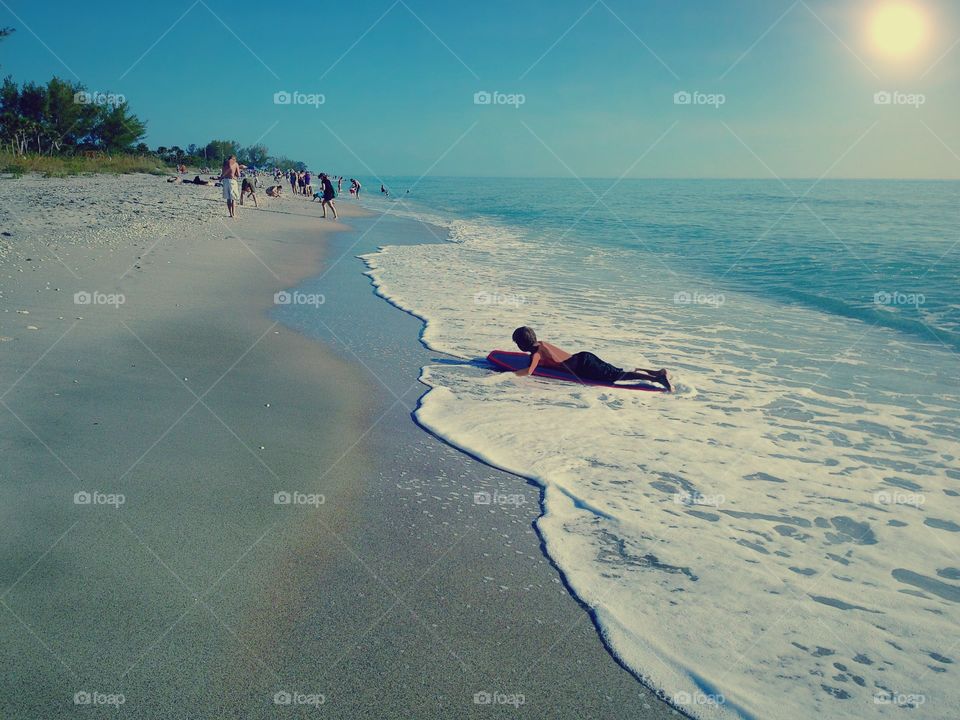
<point>662,379</point>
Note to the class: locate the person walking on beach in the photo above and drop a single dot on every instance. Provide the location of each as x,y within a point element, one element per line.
<point>328,195</point>
<point>339,184</point>
<point>231,187</point>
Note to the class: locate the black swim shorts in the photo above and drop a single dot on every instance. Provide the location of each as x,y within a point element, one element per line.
<point>588,367</point>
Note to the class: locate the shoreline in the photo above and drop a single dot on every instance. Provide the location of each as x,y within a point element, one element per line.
<point>540,487</point>
<point>404,340</point>
<point>397,595</point>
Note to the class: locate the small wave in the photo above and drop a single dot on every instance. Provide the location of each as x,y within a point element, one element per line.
<point>705,529</point>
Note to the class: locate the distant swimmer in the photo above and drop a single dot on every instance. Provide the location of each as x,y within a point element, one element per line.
<point>384,191</point>
<point>583,365</point>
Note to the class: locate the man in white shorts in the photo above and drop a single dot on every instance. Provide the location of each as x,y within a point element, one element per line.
<point>229,176</point>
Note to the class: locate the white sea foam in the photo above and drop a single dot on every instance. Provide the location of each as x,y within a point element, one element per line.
<point>778,539</point>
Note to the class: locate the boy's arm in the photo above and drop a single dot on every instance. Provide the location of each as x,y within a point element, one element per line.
<point>534,361</point>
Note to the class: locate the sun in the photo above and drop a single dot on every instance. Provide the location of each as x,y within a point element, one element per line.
<point>899,29</point>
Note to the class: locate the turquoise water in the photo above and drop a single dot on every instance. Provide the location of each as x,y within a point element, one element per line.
<point>883,252</point>
<point>778,537</point>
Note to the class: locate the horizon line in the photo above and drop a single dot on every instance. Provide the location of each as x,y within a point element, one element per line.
<point>678,177</point>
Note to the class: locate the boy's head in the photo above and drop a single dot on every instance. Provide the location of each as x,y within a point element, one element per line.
<point>525,338</point>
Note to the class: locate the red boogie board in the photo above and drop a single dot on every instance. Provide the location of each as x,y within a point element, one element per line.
<point>504,360</point>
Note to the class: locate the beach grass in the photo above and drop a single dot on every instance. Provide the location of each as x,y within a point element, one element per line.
<point>60,166</point>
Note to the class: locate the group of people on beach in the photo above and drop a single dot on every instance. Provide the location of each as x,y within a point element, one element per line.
<point>239,182</point>
<point>300,182</point>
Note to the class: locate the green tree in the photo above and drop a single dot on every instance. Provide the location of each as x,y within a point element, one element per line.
<point>67,121</point>
<point>256,155</point>
<point>117,128</point>
<point>219,150</point>
<point>286,163</point>
<point>13,126</point>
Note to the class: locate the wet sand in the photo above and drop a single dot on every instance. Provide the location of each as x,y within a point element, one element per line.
<point>179,579</point>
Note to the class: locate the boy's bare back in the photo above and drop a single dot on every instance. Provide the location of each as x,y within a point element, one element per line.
<point>551,355</point>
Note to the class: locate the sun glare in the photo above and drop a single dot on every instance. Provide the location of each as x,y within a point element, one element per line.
<point>899,29</point>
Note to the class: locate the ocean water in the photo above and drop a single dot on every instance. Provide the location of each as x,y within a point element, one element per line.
<point>780,537</point>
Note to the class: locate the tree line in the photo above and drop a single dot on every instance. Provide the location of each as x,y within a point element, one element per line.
<point>216,151</point>
<point>63,118</point>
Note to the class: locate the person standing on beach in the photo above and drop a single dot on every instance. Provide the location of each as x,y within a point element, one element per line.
<point>339,184</point>
<point>293,181</point>
<point>328,195</point>
<point>231,187</point>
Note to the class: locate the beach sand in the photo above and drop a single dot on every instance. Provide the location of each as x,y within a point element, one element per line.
<point>383,590</point>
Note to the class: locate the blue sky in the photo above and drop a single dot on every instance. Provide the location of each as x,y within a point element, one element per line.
<point>598,81</point>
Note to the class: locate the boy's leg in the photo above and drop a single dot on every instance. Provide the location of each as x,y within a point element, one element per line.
<point>655,376</point>
<point>642,375</point>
